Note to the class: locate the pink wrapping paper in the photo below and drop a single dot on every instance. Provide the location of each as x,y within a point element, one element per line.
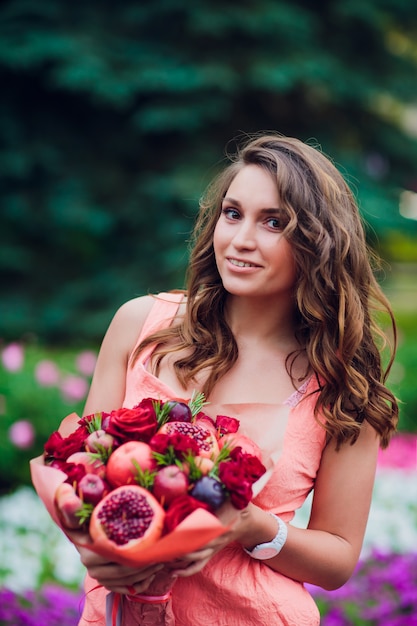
<point>192,533</point>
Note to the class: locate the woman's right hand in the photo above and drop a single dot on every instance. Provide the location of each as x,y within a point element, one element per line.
<point>124,579</point>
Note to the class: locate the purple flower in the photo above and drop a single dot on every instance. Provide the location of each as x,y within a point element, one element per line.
<point>381,592</point>
<point>52,606</point>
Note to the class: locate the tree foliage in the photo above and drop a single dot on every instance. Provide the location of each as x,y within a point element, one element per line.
<point>114,117</point>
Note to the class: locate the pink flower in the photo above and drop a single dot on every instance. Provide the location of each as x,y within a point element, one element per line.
<point>74,388</point>
<point>47,373</point>
<point>401,453</point>
<point>86,362</point>
<point>22,434</point>
<point>13,357</point>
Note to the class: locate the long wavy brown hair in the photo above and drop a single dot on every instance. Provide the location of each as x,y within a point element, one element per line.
<point>338,297</point>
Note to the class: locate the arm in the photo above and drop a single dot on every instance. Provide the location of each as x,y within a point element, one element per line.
<point>325,553</point>
<point>109,381</point>
<point>106,393</point>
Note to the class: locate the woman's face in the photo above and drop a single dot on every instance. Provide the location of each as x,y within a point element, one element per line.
<point>253,257</point>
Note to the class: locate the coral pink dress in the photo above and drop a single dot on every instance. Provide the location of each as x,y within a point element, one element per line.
<point>233,589</point>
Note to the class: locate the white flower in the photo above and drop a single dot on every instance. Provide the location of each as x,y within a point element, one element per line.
<point>33,548</point>
<point>392,523</point>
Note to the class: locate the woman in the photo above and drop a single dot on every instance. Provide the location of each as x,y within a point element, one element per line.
<point>276,329</point>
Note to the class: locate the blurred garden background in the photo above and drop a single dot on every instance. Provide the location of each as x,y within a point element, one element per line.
<point>113,118</point>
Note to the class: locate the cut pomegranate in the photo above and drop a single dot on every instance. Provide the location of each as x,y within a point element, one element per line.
<point>206,440</point>
<point>128,519</point>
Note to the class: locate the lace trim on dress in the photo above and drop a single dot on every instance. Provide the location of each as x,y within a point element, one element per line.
<point>298,394</point>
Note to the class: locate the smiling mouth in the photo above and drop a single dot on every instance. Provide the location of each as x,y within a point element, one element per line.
<point>241,263</point>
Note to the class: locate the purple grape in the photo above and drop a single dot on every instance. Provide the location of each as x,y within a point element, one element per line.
<point>210,491</point>
<point>179,412</point>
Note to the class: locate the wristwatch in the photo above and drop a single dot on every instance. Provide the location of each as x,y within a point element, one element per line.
<point>271,548</point>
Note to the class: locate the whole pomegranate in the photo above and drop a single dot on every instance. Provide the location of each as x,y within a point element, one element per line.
<point>127,520</point>
<point>123,462</point>
<point>205,438</point>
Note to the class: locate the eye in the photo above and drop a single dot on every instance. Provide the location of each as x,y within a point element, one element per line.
<point>230,213</point>
<point>274,223</point>
<point>277,223</point>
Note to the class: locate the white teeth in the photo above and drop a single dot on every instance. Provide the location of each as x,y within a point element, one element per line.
<point>241,263</point>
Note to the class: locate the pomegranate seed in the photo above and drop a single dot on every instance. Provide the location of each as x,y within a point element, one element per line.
<point>125,516</point>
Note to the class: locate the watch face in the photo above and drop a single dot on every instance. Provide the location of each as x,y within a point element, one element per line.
<point>264,553</point>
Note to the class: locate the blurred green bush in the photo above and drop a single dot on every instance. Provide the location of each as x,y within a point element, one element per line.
<point>113,121</point>
<point>38,387</point>
<point>404,373</point>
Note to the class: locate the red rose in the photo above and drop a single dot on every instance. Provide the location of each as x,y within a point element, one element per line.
<point>233,478</point>
<point>53,444</point>
<point>137,424</point>
<point>202,417</point>
<point>74,472</point>
<point>226,424</point>
<point>251,466</point>
<point>58,447</point>
<point>159,443</point>
<point>179,509</point>
<point>179,444</point>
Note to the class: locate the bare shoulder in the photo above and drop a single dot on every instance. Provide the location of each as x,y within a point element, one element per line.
<point>135,311</point>
<point>138,309</point>
<point>126,325</point>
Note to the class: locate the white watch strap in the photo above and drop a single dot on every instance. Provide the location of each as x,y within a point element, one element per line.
<point>277,542</point>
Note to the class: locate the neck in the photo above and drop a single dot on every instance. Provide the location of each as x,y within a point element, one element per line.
<point>258,320</point>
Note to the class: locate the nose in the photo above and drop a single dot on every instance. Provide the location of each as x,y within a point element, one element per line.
<point>245,236</point>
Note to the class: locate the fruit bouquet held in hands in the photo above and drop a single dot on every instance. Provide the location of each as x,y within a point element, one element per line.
<point>143,485</point>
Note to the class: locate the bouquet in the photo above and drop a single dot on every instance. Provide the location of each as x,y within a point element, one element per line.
<point>143,485</point>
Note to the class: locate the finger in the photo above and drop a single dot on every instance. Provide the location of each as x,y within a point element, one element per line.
<point>158,586</point>
<point>91,559</point>
<point>112,573</point>
<point>192,568</point>
<point>130,589</point>
<point>193,557</point>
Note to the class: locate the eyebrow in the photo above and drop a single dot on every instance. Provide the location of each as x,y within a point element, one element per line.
<point>267,211</point>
